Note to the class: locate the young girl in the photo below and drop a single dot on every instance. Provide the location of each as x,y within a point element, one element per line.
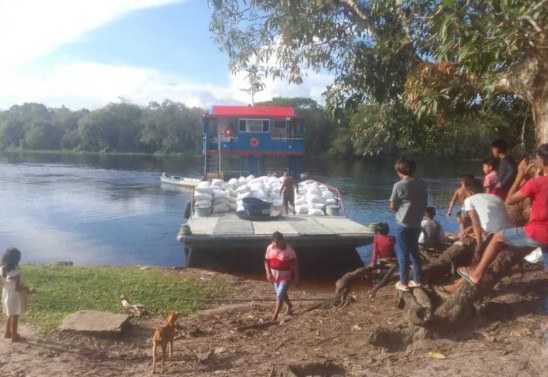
<point>14,293</point>
<point>281,268</point>
<point>383,244</point>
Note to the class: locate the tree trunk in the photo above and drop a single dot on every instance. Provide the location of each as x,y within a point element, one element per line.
<point>459,306</point>
<point>447,263</point>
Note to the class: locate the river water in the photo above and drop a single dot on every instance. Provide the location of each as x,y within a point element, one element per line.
<point>112,210</point>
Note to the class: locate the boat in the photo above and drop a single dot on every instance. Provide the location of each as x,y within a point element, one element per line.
<point>179,181</point>
<point>221,236</point>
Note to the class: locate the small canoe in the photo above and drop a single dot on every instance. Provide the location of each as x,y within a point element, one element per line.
<point>180,181</point>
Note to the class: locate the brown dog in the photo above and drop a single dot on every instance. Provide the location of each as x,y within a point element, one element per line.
<point>163,336</point>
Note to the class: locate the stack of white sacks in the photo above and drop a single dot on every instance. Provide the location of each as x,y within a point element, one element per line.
<point>223,196</point>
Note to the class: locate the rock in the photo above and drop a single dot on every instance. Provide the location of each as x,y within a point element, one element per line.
<point>95,322</point>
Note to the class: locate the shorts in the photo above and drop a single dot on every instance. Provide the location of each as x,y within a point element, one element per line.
<point>516,237</point>
<point>289,197</point>
<point>281,290</point>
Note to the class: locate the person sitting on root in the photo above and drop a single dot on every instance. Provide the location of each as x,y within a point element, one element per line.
<point>432,232</point>
<point>487,214</point>
<point>531,236</point>
<point>383,244</point>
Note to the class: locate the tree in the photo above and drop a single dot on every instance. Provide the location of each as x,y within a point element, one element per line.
<point>439,57</point>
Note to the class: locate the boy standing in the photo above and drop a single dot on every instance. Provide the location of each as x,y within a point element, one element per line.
<point>408,200</point>
<point>491,177</point>
<point>506,168</point>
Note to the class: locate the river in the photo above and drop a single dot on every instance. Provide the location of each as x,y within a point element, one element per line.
<point>112,210</point>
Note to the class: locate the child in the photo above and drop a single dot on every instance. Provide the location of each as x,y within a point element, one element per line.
<point>281,268</point>
<point>506,168</point>
<point>408,200</point>
<point>14,293</point>
<point>432,232</point>
<point>491,177</point>
<point>383,244</point>
<point>461,194</point>
<point>534,234</point>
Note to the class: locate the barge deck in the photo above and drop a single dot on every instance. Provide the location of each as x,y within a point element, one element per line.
<point>226,242</point>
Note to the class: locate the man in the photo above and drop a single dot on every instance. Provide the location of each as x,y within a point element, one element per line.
<point>288,190</point>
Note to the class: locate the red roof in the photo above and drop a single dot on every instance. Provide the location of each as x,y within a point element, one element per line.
<point>252,111</point>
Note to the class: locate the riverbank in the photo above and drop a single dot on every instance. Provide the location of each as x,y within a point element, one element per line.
<point>233,338</point>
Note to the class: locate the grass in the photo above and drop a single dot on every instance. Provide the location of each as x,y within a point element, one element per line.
<point>65,290</point>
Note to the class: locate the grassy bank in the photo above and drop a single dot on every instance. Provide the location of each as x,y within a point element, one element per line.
<point>65,290</point>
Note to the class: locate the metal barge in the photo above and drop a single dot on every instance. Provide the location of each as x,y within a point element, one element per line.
<point>325,245</point>
<point>258,140</point>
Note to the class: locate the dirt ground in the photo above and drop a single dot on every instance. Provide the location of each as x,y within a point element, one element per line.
<point>503,340</point>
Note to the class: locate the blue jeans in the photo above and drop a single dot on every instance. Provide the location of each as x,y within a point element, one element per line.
<point>407,248</point>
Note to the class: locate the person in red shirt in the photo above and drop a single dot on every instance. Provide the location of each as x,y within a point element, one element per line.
<point>383,244</point>
<point>535,233</point>
<point>281,268</point>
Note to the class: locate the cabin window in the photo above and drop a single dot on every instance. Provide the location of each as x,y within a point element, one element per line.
<point>254,125</point>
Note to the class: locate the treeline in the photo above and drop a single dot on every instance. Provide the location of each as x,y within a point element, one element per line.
<point>122,127</point>
<point>170,127</point>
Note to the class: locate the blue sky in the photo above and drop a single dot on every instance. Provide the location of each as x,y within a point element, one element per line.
<point>88,53</point>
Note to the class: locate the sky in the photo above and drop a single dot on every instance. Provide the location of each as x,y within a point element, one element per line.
<point>89,53</point>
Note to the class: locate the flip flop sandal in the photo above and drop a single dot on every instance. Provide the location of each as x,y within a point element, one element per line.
<point>463,272</point>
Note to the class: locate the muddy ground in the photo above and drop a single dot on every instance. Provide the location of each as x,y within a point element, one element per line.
<point>504,340</point>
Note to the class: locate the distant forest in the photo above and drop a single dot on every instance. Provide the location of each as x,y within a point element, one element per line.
<point>172,127</point>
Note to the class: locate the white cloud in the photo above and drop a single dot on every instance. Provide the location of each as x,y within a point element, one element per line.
<point>32,28</point>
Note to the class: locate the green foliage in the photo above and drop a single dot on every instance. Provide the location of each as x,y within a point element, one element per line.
<point>65,290</point>
<point>444,59</point>
<point>123,127</point>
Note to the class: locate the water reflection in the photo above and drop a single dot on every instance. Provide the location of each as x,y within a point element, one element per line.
<point>97,209</point>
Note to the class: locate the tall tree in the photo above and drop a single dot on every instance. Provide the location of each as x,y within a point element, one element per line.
<point>440,57</point>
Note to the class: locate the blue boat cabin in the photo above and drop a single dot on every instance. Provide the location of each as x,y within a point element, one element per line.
<point>242,140</point>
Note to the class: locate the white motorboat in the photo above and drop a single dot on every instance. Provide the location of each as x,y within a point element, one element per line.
<point>179,181</point>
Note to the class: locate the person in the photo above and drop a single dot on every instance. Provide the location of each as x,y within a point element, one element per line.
<point>491,177</point>
<point>383,244</point>
<point>488,215</point>
<point>408,200</point>
<point>431,230</point>
<point>282,268</point>
<point>288,190</point>
<point>535,233</point>
<point>14,292</point>
<point>460,195</point>
<point>506,168</point>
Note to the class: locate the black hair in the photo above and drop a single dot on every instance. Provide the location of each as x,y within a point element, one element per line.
<point>475,186</point>
<point>501,145</point>
<point>382,228</point>
<point>10,260</point>
<point>405,166</point>
<point>490,161</point>
<point>542,152</point>
<point>467,178</point>
<point>430,211</point>
<point>278,236</point>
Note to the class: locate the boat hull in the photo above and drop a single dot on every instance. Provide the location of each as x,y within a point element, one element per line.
<point>183,182</point>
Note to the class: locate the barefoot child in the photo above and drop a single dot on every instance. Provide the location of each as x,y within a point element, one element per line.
<point>281,268</point>
<point>459,195</point>
<point>14,293</point>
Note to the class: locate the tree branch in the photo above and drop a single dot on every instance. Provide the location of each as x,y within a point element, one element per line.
<point>354,9</point>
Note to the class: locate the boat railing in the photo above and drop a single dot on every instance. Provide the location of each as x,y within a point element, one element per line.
<point>339,197</point>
